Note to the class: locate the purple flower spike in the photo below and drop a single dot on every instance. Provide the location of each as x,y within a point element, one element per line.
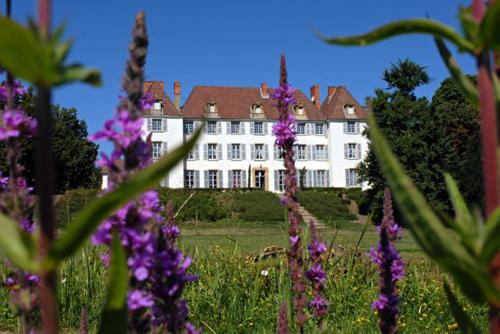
<point>390,266</point>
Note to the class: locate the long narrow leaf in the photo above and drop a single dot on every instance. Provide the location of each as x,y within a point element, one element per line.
<point>466,86</point>
<point>91,216</point>
<point>465,323</point>
<point>439,243</point>
<point>14,244</point>
<point>404,27</point>
<point>492,241</point>
<point>489,30</point>
<point>114,318</point>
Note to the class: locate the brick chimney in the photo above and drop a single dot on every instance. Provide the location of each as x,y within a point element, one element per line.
<point>177,94</point>
<point>315,96</point>
<point>263,90</point>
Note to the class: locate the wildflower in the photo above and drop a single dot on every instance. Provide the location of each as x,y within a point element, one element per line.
<point>282,327</point>
<point>285,138</point>
<point>264,273</point>
<point>391,269</point>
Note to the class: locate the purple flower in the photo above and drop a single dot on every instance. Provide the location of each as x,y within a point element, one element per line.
<point>137,300</point>
<point>320,306</point>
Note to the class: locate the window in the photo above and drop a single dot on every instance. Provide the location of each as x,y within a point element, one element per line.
<point>188,128</point>
<point>236,179</point>
<point>213,178</point>
<point>156,146</point>
<point>301,152</point>
<point>352,151</point>
<point>321,178</point>
<point>212,128</point>
<point>194,153</point>
<point>189,179</point>
<point>235,128</point>
<point>278,152</point>
<point>319,129</point>
<point>320,152</point>
<point>351,178</point>
<point>212,151</point>
<point>157,105</point>
<point>259,151</point>
<point>299,109</point>
<point>349,109</point>
<point>258,128</point>
<point>257,108</point>
<point>157,124</point>
<point>212,107</point>
<point>281,180</point>
<point>235,151</point>
<point>351,127</point>
<point>301,128</point>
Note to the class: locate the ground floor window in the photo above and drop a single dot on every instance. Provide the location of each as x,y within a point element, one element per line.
<point>213,178</point>
<point>351,178</point>
<point>189,180</point>
<point>279,180</point>
<point>260,179</point>
<point>156,148</point>
<point>321,178</point>
<point>235,178</point>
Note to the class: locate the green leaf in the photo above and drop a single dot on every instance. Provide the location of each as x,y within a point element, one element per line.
<point>114,318</point>
<point>496,89</point>
<point>489,29</point>
<point>470,26</point>
<point>465,323</point>
<point>492,241</point>
<point>16,245</point>
<point>466,86</point>
<point>90,217</point>
<point>77,72</point>
<point>24,55</point>
<point>438,242</point>
<point>464,223</point>
<point>404,27</point>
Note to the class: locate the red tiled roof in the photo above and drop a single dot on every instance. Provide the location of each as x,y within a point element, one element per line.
<point>333,106</point>
<point>236,103</point>
<point>157,90</point>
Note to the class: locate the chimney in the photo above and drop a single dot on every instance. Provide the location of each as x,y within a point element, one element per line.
<point>263,90</point>
<point>315,96</point>
<point>331,91</point>
<point>177,94</point>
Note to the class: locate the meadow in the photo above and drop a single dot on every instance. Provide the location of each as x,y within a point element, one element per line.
<point>239,291</point>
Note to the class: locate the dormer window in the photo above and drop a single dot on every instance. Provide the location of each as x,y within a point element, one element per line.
<point>257,108</point>
<point>349,109</point>
<point>299,109</point>
<point>212,107</point>
<point>157,105</point>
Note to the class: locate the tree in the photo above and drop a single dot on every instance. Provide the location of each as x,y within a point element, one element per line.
<point>74,154</point>
<point>428,138</point>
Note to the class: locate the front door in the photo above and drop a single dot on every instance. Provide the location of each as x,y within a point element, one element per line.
<point>260,179</point>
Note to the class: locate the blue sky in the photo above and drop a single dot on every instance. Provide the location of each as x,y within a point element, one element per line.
<point>238,43</point>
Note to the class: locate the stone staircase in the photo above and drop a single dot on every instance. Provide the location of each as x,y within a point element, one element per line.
<point>307,217</point>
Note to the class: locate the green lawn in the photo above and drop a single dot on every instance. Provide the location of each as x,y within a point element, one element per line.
<point>253,237</point>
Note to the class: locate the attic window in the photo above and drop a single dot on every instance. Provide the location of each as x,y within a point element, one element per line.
<point>349,109</point>
<point>257,108</point>
<point>212,107</point>
<point>299,109</point>
<point>157,105</point>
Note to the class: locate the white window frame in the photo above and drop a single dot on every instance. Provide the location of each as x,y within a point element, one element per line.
<point>156,148</point>
<point>259,152</point>
<point>189,178</point>
<point>320,153</point>
<point>352,151</point>
<point>321,178</point>
<point>212,127</point>
<point>212,152</point>
<point>260,126</point>
<point>301,128</point>
<point>235,128</point>
<point>320,126</point>
<point>213,178</point>
<point>189,127</point>
<point>301,152</point>
<point>351,178</point>
<point>155,122</point>
<point>237,180</point>
<point>235,151</point>
<point>351,127</point>
<point>281,179</point>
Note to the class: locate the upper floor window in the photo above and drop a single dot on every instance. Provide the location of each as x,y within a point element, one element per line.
<point>349,109</point>
<point>212,151</point>
<point>320,152</point>
<point>235,151</point>
<point>212,128</point>
<point>299,109</point>
<point>157,105</point>
<point>259,152</point>
<point>301,128</point>
<point>188,127</point>
<point>351,127</point>
<point>301,152</point>
<point>212,107</point>
<point>257,108</point>
<point>258,128</point>
<point>156,149</point>
<point>156,124</point>
<point>352,151</point>
<point>235,128</point>
<point>319,128</point>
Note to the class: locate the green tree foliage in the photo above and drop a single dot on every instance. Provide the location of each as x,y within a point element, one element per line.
<point>74,154</point>
<point>429,138</point>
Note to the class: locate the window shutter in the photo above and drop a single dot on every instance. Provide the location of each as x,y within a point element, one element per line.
<point>164,148</point>
<point>219,151</point>
<point>205,176</point>
<point>346,151</point>
<point>276,180</point>
<point>347,177</point>
<point>276,152</point>
<point>264,127</point>
<point>314,152</point>
<point>345,127</point>
<point>149,124</point>
<point>196,149</point>
<point>295,151</point>
<point>309,178</point>
<point>164,124</point>
<point>219,179</point>
<point>242,127</point>
<point>327,178</point>
<point>326,152</point>
<point>205,151</point>
<point>219,128</point>
<point>309,152</point>
<point>252,151</point>
<point>196,178</point>
<point>251,128</point>
<point>229,178</point>
<point>307,129</point>
<point>324,129</point>
<point>266,152</point>
<point>315,178</point>
<point>358,146</point>
<point>242,151</point>
<point>357,127</point>
<point>228,127</point>
<point>244,178</point>
<point>229,153</point>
